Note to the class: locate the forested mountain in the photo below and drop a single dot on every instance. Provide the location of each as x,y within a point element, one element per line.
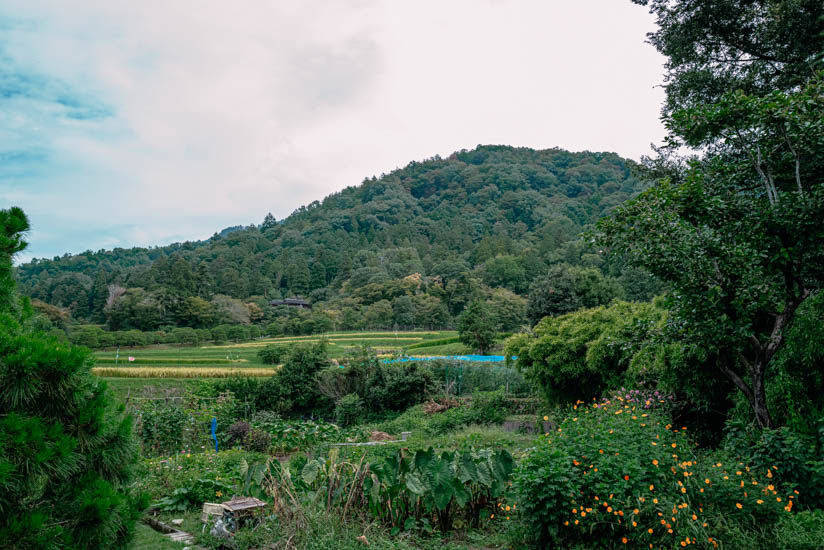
<point>410,248</point>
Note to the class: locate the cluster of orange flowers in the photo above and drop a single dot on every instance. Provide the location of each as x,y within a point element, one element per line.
<point>683,471</point>
<point>504,509</point>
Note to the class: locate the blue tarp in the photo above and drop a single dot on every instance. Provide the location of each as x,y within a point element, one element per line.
<point>472,358</point>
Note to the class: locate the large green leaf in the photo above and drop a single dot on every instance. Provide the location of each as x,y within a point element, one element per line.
<point>467,470</point>
<point>423,458</point>
<point>414,484</point>
<point>462,494</point>
<point>310,471</point>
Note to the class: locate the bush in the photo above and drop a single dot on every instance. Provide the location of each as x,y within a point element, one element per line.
<point>616,474</point>
<point>582,354</point>
<point>273,354</point>
<point>398,386</point>
<point>237,433</point>
<point>258,441</point>
<point>296,378</point>
<point>160,427</point>
<point>797,459</point>
<point>349,410</point>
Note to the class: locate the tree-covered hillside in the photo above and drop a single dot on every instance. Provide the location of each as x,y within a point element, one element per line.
<point>408,249</point>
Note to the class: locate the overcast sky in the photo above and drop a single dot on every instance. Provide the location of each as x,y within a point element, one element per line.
<point>135,123</point>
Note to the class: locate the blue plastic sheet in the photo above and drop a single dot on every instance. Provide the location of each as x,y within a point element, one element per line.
<point>469,358</point>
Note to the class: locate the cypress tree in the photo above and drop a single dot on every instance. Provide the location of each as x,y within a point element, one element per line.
<point>66,450</point>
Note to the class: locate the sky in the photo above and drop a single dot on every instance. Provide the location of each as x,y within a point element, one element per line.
<point>128,123</point>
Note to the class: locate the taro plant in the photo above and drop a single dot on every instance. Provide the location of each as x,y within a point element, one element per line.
<point>408,490</point>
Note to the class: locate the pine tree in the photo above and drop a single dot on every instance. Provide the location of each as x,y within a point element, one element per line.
<point>66,450</point>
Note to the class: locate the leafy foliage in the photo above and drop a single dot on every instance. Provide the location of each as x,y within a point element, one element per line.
<point>617,474</point>
<point>66,449</point>
<point>580,355</point>
<point>406,489</point>
<point>477,327</point>
<point>349,410</point>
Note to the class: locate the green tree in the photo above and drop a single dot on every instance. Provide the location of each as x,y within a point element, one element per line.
<point>737,233</point>
<point>509,309</point>
<point>477,327</point>
<point>297,376</point>
<point>566,288</point>
<point>66,450</point>
<point>759,46</point>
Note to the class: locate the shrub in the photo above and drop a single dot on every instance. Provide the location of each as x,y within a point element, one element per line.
<point>258,441</point>
<point>616,474</point>
<point>236,433</point>
<point>273,354</point>
<point>489,407</point>
<point>398,386</point>
<point>296,378</point>
<point>797,458</point>
<point>161,425</point>
<point>349,410</point>
<point>585,353</point>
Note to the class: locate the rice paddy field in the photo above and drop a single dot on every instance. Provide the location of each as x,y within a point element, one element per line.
<point>173,366</point>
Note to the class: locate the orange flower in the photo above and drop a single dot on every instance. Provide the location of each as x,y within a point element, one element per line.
<point>655,462</point>
<point>738,505</point>
<point>624,540</point>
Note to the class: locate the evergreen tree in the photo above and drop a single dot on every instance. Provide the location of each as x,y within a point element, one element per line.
<point>66,451</point>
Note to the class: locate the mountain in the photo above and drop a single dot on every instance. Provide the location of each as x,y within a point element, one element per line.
<point>410,247</point>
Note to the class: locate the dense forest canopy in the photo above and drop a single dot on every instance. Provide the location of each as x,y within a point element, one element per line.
<point>410,248</point>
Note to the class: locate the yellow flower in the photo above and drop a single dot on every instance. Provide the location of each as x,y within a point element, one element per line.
<point>546,417</point>
<point>655,462</point>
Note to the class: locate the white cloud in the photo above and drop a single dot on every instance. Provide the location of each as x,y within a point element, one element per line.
<point>221,112</point>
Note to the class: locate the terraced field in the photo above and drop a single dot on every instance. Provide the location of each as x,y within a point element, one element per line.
<point>171,362</point>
